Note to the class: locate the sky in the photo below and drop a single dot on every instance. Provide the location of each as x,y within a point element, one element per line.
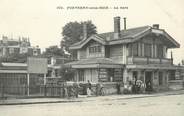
<point>42,21</point>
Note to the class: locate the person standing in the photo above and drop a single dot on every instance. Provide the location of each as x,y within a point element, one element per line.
<point>65,90</point>
<point>89,88</point>
<point>118,86</point>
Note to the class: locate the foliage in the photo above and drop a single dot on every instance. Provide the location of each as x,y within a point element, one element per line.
<point>73,32</point>
<point>182,62</point>
<point>53,51</point>
<point>66,73</point>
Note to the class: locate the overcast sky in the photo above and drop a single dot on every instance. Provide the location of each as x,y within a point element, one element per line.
<point>42,22</point>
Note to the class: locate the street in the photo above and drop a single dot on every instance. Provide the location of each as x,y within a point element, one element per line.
<point>170,105</point>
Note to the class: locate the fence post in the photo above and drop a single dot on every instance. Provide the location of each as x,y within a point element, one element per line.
<point>2,91</point>
<point>24,90</point>
<point>28,84</point>
<point>61,91</point>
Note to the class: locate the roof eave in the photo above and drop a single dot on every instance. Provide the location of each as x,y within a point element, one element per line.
<point>177,45</point>
<point>82,43</point>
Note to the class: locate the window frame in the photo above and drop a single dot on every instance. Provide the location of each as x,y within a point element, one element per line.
<point>95,49</point>
<point>146,50</point>
<point>160,48</point>
<point>135,48</point>
<point>81,76</point>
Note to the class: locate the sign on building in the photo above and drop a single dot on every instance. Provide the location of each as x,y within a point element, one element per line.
<point>37,65</point>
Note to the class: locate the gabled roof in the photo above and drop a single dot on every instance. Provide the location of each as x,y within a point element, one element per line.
<point>85,41</point>
<point>127,36</point>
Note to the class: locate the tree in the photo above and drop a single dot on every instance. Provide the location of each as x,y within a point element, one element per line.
<point>73,32</point>
<point>53,51</point>
<point>66,73</point>
<point>182,62</point>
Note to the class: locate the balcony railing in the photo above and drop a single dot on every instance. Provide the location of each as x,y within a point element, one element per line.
<point>147,60</point>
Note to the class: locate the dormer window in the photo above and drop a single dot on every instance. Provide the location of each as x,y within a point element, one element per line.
<point>95,49</point>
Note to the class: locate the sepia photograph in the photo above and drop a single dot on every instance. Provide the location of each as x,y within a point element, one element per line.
<point>91,58</point>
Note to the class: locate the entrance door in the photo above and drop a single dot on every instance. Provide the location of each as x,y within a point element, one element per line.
<point>160,78</point>
<point>148,81</point>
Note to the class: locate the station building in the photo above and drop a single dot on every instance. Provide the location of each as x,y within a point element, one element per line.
<point>127,55</point>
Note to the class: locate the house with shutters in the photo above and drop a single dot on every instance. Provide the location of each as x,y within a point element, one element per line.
<point>125,55</point>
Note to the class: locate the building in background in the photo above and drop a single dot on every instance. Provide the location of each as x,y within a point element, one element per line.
<point>22,45</point>
<point>23,78</point>
<point>126,56</point>
<point>14,77</point>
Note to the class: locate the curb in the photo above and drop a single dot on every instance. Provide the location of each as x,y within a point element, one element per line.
<point>27,103</point>
<point>86,100</point>
<point>158,95</point>
<point>149,96</point>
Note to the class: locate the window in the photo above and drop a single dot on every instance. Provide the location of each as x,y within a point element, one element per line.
<point>99,48</point>
<point>95,49</point>
<point>147,50</point>
<point>11,50</point>
<point>56,72</point>
<point>172,75</point>
<point>178,75</point>
<point>160,51</point>
<point>81,75</point>
<point>23,80</point>
<point>49,73</point>
<point>129,50</point>
<point>135,49</point>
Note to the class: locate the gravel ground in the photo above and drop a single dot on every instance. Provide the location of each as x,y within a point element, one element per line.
<point>172,105</point>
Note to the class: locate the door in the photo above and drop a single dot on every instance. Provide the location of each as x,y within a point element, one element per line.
<point>160,78</point>
<point>135,76</point>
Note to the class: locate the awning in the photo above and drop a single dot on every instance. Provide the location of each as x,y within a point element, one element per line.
<point>94,63</point>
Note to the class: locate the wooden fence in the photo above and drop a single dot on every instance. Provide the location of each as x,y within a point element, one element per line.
<point>21,91</point>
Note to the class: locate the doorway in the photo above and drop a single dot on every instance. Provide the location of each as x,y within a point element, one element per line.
<point>160,78</point>
<point>148,80</point>
<point>135,76</point>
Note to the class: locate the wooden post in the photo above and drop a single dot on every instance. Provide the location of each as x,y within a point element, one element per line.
<point>45,88</point>
<point>28,84</point>
<point>44,79</point>
<point>98,74</point>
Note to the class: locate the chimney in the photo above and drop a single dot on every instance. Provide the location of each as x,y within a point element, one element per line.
<point>156,26</point>
<point>116,27</point>
<point>124,23</point>
<point>85,35</point>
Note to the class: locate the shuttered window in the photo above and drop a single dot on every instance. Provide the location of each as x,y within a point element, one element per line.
<point>135,49</point>
<point>147,50</point>
<point>81,75</point>
<point>160,51</point>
